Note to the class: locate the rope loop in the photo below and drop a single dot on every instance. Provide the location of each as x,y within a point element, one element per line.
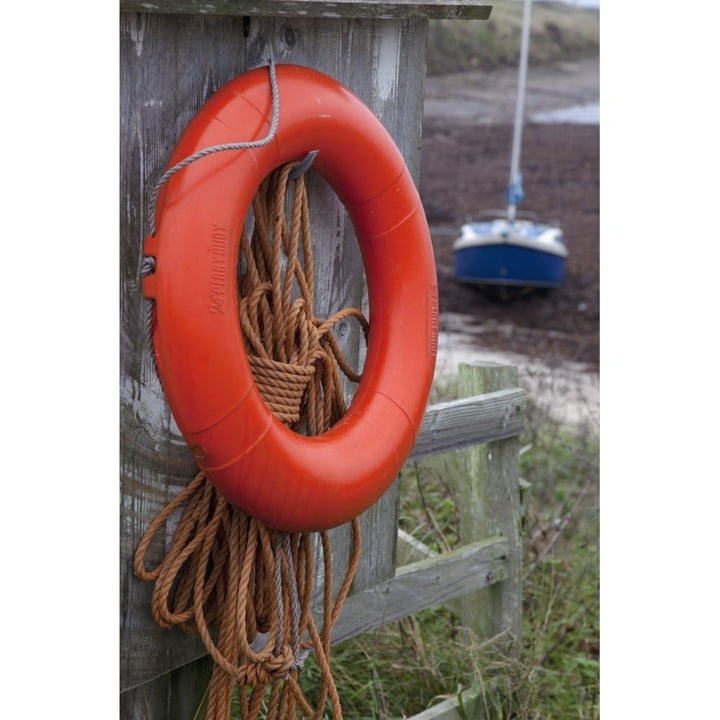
<point>248,145</point>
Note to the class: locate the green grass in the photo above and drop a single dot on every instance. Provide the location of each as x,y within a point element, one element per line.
<point>404,667</point>
<point>558,32</point>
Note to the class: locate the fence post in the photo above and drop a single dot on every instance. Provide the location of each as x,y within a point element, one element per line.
<point>489,504</point>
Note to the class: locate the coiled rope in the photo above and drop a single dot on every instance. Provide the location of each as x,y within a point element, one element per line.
<point>226,575</point>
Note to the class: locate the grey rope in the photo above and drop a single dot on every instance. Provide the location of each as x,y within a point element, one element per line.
<point>277,550</point>
<point>147,266</point>
<point>295,609</point>
<point>220,148</point>
<point>283,548</point>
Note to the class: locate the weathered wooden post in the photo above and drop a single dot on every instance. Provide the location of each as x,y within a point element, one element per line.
<point>174,55</point>
<point>489,504</point>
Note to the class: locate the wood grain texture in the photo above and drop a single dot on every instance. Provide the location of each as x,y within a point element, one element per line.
<point>489,503</point>
<point>396,9</point>
<point>169,66</point>
<point>472,420</point>
<point>177,695</point>
<point>423,584</point>
<point>468,704</point>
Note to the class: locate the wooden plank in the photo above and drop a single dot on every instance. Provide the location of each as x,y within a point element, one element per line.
<point>423,584</point>
<point>470,421</point>
<point>489,503</point>
<point>155,463</point>
<point>410,549</point>
<point>395,9</point>
<point>466,706</point>
<point>433,580</point>
<point>177,695</point>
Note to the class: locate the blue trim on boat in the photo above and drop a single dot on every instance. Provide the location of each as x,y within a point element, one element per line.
<point>508,265</point>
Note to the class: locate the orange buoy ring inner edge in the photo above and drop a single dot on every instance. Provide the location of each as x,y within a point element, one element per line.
<point>289,481</point>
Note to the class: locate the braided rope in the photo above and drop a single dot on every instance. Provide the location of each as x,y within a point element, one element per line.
<point>147,265</point>
<point>226,575</point>
<point>248,145</point>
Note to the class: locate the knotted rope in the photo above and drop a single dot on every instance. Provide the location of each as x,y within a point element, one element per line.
<point>246,589</point>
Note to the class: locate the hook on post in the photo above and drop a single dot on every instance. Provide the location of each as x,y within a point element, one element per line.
<point>304,166</point>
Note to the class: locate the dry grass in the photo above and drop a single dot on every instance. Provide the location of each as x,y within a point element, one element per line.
<point>558,32</point>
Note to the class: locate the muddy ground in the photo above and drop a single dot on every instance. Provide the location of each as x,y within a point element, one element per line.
<point>464,172</point>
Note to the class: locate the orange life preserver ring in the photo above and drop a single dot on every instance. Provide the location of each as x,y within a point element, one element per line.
<point>289,481</point>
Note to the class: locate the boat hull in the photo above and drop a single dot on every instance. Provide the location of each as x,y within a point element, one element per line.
<point>508,265</point>
<point>534,256</point>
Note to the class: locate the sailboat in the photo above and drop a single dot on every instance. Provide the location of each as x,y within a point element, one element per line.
<point>510,253</point>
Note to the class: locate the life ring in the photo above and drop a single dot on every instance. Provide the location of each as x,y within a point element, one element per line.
<point>289,481</point>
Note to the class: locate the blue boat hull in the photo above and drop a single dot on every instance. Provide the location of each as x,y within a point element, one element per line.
<point>504,264</point>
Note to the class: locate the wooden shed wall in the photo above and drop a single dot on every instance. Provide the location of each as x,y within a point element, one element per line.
<point>170,64</point>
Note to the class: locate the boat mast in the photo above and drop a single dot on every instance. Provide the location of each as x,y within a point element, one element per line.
<point>514,192</point>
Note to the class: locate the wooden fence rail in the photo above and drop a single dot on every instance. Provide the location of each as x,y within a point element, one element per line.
<point>387,10</point>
